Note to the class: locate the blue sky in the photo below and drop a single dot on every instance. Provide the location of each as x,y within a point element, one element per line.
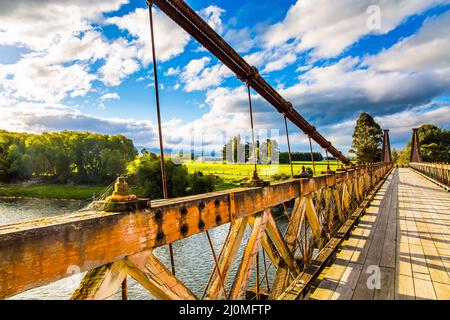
<point>83,66</point>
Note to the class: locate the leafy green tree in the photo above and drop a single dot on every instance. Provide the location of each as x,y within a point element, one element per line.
<point>82,157</point>
<point>367,139</point>
<point>145,173</point>
<point>434,144</point>
<point>299,156</point>
<point>395,156</point>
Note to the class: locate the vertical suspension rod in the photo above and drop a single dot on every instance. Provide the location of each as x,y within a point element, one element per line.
<point>216,264</point>
<point>312,155</point>
<point>158,114</point>
<point>289,145</point>
<point>251,126</point>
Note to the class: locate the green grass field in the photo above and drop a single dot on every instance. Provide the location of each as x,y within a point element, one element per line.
<point>246,170</point>
<point>233,174</point>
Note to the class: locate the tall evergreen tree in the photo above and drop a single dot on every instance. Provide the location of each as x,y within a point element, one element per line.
<point>367,139</point>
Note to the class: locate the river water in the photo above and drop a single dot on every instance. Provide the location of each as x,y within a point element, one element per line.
<point>193,257</point>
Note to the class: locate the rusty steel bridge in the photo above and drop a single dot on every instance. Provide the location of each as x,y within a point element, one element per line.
<point>341,225</point>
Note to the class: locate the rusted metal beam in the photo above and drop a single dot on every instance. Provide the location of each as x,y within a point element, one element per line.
<point>193,24</point>
<point>38,252</point>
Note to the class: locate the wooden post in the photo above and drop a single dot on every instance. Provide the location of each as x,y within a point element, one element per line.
<point>125,289</point>
<point>248,258</point>
<point>230,253</point>
<point>101,283</point>
<point>153,275</point>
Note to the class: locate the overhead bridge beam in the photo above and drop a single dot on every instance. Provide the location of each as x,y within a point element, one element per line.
<point>193,24</point>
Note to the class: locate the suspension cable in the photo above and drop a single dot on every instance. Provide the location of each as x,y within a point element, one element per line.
<point>215,267</point>
<point>125,289</point>
<point>251,126</point>
<point>288,145</point>
<point>328,160</point>
<point>265,271</point>
<point>216,263</point>
<point>312,155</point>
<point>158,114</point>
<point>257,276</point>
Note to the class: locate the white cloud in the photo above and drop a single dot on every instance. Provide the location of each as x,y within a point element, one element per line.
<point>110,96</point>
<point>40,24</point>
<point>241,40</point>
<point>400,125</point>
<point>212,15</point>
<point>172,71</point>
<point>89,46</point>
<point>429,49</point>
<point>196,76</point>
<point>280,62</point>
<point>329,27</point>
<point>338,91</point>
<point>35,80</point>
<point>41,117</point>
<point>120,63</point>
<point>170,39</point>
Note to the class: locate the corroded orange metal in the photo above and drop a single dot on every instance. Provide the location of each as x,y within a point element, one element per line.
<point>38,252</point>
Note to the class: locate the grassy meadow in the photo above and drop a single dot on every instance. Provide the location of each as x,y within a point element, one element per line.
<point>246,170</point>
<point>233,174</point>
<point>230,176</point>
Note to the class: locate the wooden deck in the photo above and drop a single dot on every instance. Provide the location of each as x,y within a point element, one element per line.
<point>399,250</point>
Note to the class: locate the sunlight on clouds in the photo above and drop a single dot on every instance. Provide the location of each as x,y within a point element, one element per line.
<point>170,39</point>
<point>330,27</point>
<point>40,24</point>
<point>429,49</point>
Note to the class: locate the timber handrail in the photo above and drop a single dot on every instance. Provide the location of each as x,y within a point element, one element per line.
<point>110,245</point>
<point>436,171</point>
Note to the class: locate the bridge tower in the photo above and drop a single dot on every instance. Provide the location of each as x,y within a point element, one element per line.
<point>415,147</point>
<point>387,156</point>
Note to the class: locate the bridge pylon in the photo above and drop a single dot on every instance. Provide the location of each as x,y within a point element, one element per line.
<point>415,147</point>
<point>386,155</point>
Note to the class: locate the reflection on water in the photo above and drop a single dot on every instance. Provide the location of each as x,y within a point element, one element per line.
<point>15,210</point>
<point>193,258</point>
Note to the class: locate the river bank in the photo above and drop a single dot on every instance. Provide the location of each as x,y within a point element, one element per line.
<point>50,191</point>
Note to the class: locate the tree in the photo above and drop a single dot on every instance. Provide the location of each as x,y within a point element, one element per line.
<point>367,139</point>
<point>145,172</point>
<point>434,145</point>
<point>299,156</point>
<point>82,157</point>
<point>395,156</point>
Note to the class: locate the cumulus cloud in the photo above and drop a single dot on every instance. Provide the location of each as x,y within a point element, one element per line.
<point>172,71</point>
<point>40,24</point>
<point>197,76</point>
<point>240,39</point>
<point>427,50</point>
<point>43,117</point>
<point>34,79</point>
<point>335,92</point>
<point>170,39</point>
<point>212,14</point>
<point>120,63</point>
<point>110,96</point>
<point>400,124</point>
<point>330,27</point>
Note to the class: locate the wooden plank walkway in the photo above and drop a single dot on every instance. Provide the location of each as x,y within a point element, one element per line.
<point>399,250</point>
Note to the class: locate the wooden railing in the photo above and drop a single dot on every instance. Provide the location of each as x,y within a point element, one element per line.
<point>436,171</point>
<point>110,246</point>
